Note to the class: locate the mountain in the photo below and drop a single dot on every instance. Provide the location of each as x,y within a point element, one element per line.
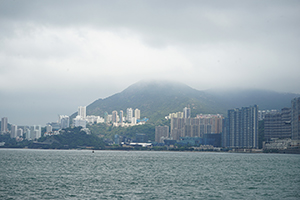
<point>157,99</point>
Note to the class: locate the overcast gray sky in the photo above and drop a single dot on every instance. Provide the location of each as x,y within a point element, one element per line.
<point>58,55</point>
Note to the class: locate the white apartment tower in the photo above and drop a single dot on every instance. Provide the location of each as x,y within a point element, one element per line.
<point>4,122</point>
<point>129,114</point>
<point>64,121</point>
<point>295,118</point>
<point>137,113</point>
<point>14,129</point>
<point>82,111</point>
<point>48,128</point>
<point>187,112</point>
<point>79,121</point>
<point>20,132</point>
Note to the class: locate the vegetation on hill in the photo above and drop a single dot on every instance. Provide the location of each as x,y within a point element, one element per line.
<point>108,131</point>
<point>70,138</point>
<point>156,100</point>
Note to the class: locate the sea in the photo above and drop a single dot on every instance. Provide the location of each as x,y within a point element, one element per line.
<point>82,174</point>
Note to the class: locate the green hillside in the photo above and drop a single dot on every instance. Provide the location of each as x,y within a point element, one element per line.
<point>157,99</point>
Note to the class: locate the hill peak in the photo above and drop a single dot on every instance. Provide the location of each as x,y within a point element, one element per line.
<point>158,86</point>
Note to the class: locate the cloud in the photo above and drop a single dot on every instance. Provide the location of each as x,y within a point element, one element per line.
<point>75,52</point>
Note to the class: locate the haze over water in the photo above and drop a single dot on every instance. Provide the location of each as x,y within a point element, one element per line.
<point>74,174</point>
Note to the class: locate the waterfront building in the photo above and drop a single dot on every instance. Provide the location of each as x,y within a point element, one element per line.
<point>272,125</point>
<point>177,125</point>
<point>161,133</point>
<point>295,118</point>
<point>242,128</point>
<point>141,138</point>
<point>277,124</point>
<point>196,127</point>
<point>286,118</point>
<point>276,143</point>
<point>4,122</point>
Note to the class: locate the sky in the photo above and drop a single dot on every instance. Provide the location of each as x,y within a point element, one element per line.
<point>58,55</point>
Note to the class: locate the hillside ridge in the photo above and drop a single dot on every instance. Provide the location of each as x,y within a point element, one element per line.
<point>157,99</point>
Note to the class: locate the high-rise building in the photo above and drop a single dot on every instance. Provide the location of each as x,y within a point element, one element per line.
<point>137,113</point>
<point>28,133</point>
<point>13,132</point>
<point>48,128</point>
<point>242,128</point>
<point>129,114</point>
<point>114,116</point>
<point>82,111</point>
<point>133,120</point>
<point>286,123</point>
<point>38,131</point>
<point>4,122</point>
<point>34,132</point>
<point>64,121</point>
<point>272,125</point>
<point>161,133</point>
<point>295,118</point>
<point>212,123</point>
<point>277,124</point>
<point>121,116</point>
<point>186,112</point>
<point>177,128</point>
<point>106,117</point>
<point>19,132</point>
<point>79,121</point>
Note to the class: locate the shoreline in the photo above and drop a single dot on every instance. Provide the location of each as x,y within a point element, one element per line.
<point>275,151</point>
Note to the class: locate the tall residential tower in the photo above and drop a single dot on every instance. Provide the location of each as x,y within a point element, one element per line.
<point>241,128</point>
<point>295,118</point>
<point>4,122</point>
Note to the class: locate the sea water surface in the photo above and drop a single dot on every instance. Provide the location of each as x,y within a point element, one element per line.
<point>81,174</point>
